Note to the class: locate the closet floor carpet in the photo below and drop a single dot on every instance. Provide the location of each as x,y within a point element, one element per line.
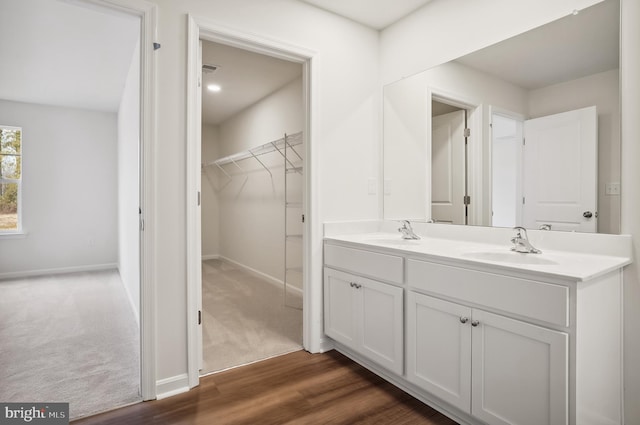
<point>244,318</point>
<point>69,338</point>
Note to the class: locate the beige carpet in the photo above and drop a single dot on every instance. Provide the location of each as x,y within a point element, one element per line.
<point>69,338</point>
<point>245,319</point>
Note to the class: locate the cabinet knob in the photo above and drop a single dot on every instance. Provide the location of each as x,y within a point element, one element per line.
<point>464,319</point>
<point>474,323</point>
<point>355,285</point>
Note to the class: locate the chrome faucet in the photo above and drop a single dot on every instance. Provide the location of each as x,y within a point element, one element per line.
<point>521,242</point>
<point>407,230</point>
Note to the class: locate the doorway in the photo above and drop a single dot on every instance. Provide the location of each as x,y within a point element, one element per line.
<point>506,169</point>
<point>448,163</point>
<point>93,160</point>
<point>544,170</point>
<point>251,206</point>
<point>203,29</point>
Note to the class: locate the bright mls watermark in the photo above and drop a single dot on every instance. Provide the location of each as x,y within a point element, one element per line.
<point>34,413</point>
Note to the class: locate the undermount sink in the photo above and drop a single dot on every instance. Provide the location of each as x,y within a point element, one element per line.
<point>509,257</point>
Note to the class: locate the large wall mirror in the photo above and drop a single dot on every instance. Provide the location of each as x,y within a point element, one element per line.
<point>524,132</point>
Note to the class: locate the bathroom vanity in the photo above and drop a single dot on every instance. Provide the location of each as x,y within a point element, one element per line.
<point>481,333</point>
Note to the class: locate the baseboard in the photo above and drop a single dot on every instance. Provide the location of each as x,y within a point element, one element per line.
<point>253,271</point>
<point>262,275</point>
<point>210,257</point>
<point>61,270</point>
<point>326,345</point>
<point>172,386</point>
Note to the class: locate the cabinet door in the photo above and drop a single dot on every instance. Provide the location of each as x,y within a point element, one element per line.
<point>520,372</point>
<point>439,348</point>
<point>339,311</point>
<point>382,318</point>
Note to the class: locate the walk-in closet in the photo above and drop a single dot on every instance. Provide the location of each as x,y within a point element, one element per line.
<point>252,191</point>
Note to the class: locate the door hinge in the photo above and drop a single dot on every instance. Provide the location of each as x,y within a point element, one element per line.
<point>467,132</point>
<point>198,198</point>
<point>199,317</point>
<point>156,46</point>
<point>199,81</point>
<point>523,200</point>
<point>303,218</point>
<point>524,142</point>
<point>467,199</point>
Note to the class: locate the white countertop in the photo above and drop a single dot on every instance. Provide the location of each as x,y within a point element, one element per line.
<point>579,266</point>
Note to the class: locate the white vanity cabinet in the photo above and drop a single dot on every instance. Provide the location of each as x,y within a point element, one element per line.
<point>500,370</point>
<point>366,316</point>
<point>363,314</point>
<point>486,343</point>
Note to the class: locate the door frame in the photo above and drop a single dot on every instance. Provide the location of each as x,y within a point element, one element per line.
<point>148,14</point>
<point>474,150</point>
<point>200,28</point>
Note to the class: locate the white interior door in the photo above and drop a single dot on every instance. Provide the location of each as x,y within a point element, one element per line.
<point>560,171</point>
<point>448,168</point>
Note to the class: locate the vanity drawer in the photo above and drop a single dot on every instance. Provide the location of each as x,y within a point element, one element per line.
<point>530,298</point>
<point>367,263</point>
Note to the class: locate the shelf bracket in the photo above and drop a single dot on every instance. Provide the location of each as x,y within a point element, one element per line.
<point>261,163</point>
<point>236,164</point>
<point>283,155</point>
<point>225,173</point>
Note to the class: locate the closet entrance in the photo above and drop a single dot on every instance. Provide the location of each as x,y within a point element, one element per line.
<point>252,187</point>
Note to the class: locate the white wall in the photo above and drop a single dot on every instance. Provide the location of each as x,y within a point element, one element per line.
<point>69,190</point>
<point>346,126</point>
<point>252,204</point>
<point>128,184</point>
<point>602,91</point>
<point>210,209</point>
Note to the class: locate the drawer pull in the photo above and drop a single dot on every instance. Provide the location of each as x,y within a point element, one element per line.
<point>464,319</point>
<point>474,323</point>
<point>355,285</point>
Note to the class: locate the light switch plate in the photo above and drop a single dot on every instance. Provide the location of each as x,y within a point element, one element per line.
<point>612,189</point>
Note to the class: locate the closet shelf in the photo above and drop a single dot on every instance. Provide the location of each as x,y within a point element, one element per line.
<point>288,141</point>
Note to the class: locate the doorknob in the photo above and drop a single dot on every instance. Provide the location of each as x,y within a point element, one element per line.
<point>587,214</point>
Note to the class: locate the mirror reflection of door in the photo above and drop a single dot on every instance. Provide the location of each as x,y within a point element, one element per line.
<point>560,171</point>
<point>506,170</point>
<point>448,160</point>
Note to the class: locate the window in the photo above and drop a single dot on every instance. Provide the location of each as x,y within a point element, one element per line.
<point>10,178</point>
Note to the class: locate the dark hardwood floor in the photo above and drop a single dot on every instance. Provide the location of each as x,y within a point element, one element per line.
<point>297,388</point>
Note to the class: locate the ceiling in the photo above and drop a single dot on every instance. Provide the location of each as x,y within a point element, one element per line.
<point>244,77</point>
<point>71,53</point>
<point>65,53</point>
<point>576,45</point>
<point>377,14</point>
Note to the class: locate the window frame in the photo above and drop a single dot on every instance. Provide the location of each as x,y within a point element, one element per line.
<point>18,182</point>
